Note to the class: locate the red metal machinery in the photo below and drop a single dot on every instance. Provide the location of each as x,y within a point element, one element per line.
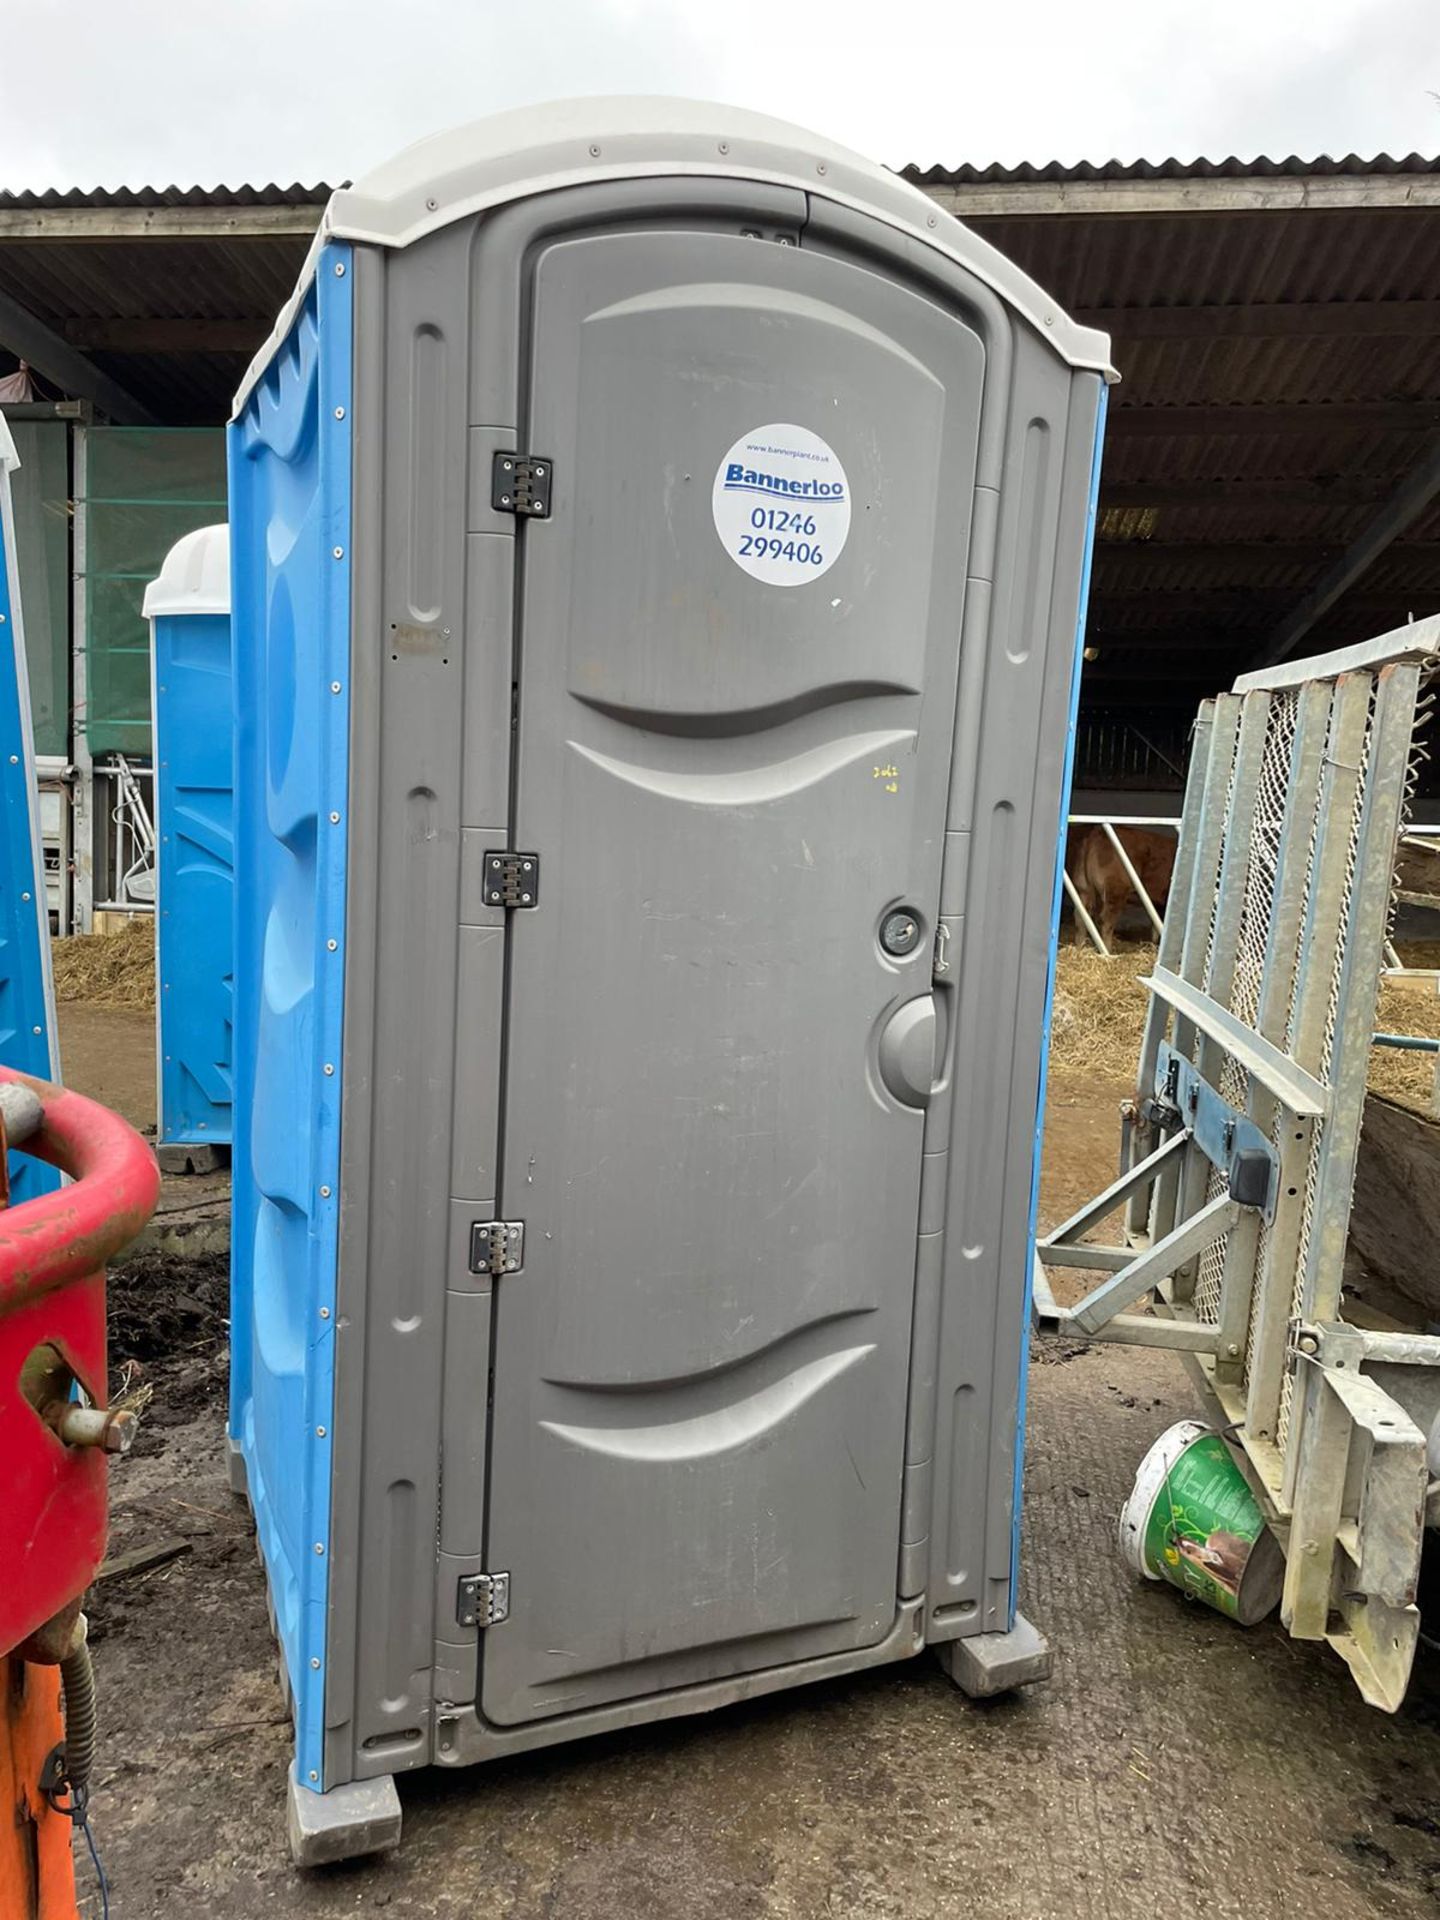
<point>55,1433</point>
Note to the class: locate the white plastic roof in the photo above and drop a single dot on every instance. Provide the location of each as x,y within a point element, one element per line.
<point>194,576</point>
<point>573,142</point>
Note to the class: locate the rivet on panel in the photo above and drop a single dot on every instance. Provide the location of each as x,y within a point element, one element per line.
<point>334,686</point>
<point>339,552</point>
<point>820,167</point>
<point>315,1668</point>
<point>432,204</point>
<point>324,1313</point>
<point>313,1774</point>
<point>35,1029</point>
<point>724,146</point>
<point>594,153</point>
<point>26,898</point>
<point>329,1067</point>
<point>339,413</point>
<point>332,945</point>
<point>339,269</point>
<point>325,1193</point>
<point>334,819</point>
<point>319,1433</point>
<point>320,1546</point>
<point>931,221</point>
<point>14,759</point>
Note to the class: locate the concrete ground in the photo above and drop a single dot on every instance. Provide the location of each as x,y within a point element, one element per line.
<point>1175,1760</point>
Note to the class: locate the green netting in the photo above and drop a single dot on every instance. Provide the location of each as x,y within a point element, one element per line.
<point>40,491</point>
<point>145,487</point>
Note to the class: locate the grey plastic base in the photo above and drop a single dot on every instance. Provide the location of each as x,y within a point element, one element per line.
<point>991,1663</point>
<point>363,1817</point>
<point>192,1159</point>
<point>235,1469</point>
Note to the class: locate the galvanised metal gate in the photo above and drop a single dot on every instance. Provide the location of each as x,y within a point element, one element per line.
<point>1240,1146</point>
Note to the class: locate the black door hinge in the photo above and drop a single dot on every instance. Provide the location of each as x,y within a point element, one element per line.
<point>512,880</point>
<point>520,483</point>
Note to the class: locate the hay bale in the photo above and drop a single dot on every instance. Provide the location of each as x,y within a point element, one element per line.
<point>1099,1010</point>
<point>114,970</point>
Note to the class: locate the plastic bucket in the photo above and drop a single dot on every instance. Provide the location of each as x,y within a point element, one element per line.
<point>1192,1520</point>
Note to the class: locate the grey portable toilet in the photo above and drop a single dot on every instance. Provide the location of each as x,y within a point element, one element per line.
<point>659,541</point>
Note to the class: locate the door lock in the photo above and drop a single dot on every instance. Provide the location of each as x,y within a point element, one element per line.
<point>900,932</point>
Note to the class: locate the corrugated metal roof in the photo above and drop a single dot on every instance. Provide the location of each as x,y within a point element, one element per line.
<point>271,195</point>
<point>1231,168</point>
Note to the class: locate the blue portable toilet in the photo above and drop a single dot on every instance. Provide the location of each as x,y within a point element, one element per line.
<point>27,994</point>
<point>188,607</point>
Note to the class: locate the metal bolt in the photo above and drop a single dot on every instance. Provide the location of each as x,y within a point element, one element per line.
<point>339,413</point>
<point>1312,1547</point>
<point>334,686</point>
<point>315,1668</point>
<point>325,1193</point>
<point>313,1774</point>
<point>329,1068</point>
<point>339,269</point>
<point>35,1029</point>
<point>319,1433</point>
<point>339,552</point>
<point>14,759</point>
<point>319,1546</point>
<point>324,1313</point>
<point>332,945</point>
<point>1233,1350</point>
<point>334,819</point>
<point>26,898</point>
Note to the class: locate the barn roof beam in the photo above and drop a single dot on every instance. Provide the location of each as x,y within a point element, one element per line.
<point>291,221</point>
<point>1410,499</point>
<point>30,339</point>
<point>1226,194</point>
<point>1348,490</point>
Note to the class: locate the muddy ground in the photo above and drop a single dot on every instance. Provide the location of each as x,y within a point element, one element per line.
<point>1175,1762</point>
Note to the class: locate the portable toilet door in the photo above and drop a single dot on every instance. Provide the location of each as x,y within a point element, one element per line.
<point>27,994</point>
<point>188,608</point>
<point>659,547</point>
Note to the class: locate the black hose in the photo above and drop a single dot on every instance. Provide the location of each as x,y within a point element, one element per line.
<point>77,1676</point>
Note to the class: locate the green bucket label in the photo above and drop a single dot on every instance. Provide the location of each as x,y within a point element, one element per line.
<point>1203,1524</point>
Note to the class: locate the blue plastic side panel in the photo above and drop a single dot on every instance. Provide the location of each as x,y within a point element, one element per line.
<point>194,931</point>
<point>290,580</point>
<point>1066,782</point>
<point>27,1008</point>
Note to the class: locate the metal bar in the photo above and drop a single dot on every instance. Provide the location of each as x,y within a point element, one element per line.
<point>1132,1283</point>
<point>1275,1279</point>
<point>1140,1175</point>
<point>1406,1042</point>
<point>1391,731</point>
<point>1159,1216</point>
<point>1316,1503</point>
<point>1334,810</point>
<point>1230,890</point>
<point>1409,501</point>
<point>1299,1092</point>
<point>1109,1259</point>
<point>1149,905</point>
<point>1124,1329</point>
<point>1082,916</point>
<point>1417,641</point>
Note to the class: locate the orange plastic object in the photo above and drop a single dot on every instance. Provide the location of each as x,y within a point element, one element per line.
<point>37,1875</point>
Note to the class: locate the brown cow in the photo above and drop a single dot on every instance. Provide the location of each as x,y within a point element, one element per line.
<point>1100,878</point>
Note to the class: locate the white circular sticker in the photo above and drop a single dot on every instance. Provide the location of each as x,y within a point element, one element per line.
<point>782,505</point>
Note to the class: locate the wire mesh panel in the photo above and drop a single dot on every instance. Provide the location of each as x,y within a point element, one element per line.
<point>1247,1122</point>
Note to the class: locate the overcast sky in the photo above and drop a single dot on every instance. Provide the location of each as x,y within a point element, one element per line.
<point>135,92</point>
